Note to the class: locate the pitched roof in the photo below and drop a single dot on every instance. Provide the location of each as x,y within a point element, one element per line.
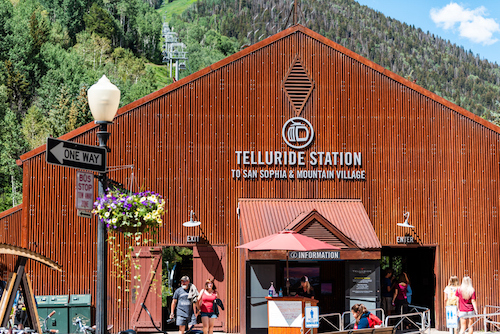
<point>263,217</point>
<point>266,42</point>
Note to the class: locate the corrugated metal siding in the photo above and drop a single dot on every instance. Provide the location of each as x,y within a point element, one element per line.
<point>11,234</point>
<point>422,154</point>
<point>262,217</point>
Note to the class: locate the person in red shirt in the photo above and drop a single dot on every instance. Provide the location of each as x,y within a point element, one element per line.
<point>466,304</point>
<point>206,306</point>
<point>399,298</point>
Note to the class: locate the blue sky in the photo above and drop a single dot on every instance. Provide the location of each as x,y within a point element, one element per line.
<point>474,24</point>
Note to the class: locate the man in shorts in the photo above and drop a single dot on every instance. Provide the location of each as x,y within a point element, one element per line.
<point>186,309</point>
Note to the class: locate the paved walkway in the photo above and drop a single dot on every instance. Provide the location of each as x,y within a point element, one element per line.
<point>433,331</point>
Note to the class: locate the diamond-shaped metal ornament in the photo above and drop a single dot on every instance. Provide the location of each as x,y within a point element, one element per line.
<point>297,85</point>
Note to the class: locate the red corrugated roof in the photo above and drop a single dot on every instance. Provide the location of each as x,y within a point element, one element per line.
<point>262,217</point>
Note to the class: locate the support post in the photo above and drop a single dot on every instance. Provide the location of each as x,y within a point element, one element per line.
<point>102,245</point>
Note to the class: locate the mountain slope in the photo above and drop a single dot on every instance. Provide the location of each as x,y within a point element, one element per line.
<point>437,65</point>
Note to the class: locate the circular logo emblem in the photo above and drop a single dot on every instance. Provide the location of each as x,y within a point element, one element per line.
<point>293,255</point>
<point>298,132</point>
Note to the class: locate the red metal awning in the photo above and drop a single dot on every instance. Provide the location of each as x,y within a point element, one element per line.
<point>262,217</point>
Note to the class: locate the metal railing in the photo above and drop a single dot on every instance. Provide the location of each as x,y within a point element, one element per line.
<point>410,321</point>
<point>486,317</point>
<point>492,319</point>
<point>419,320</point>
<point>330,316</point>
<point>352,322</point>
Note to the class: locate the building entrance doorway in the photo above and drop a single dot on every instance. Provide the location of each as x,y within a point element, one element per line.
<point>418,263</point>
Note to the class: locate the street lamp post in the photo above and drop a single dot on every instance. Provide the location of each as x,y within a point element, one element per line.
<point>104,98</point>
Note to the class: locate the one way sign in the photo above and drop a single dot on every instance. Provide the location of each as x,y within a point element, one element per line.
<point>69,154</point>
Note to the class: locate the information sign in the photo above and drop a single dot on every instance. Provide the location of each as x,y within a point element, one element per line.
<point>312,316</point>
<point>84,190</point>
<point>451,317</point>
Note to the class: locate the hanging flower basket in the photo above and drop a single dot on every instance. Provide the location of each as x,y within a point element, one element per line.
<point>129,215</point>
<point>130,212</point>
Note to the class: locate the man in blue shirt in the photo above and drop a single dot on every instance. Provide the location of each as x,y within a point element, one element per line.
<point>387,292</point>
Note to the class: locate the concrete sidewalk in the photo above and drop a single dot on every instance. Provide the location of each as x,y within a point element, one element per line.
<point>433,331</point>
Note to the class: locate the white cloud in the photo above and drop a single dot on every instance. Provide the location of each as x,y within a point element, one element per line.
<point>472,23</point>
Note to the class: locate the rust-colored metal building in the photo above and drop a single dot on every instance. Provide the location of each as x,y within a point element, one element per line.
<point>293,132</point>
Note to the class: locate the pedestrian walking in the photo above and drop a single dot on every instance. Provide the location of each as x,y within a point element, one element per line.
<point>466,304</point>
<point>206,301</point>
<point>450,299</point>
<point>409,291</point>
<point>387,291</point>
<point>399,298</point>
<point>184,304</point>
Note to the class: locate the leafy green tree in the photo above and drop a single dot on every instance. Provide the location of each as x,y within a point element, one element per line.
<point>58,114</point>
<point>5,14</point>
<point>17,87</point>
<point>70,13</point>
<point>98,21</point>
<point>35,127</point>
<point>11,147</point>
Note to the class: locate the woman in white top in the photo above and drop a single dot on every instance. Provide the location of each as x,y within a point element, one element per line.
<point>449,294</point>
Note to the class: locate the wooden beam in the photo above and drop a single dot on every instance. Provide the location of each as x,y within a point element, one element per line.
<point>29,301</point>
<point>21,263</point>
<point>6,295</point>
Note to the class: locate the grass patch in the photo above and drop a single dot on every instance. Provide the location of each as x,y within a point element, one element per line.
<point>161,74</point>
<point>168,9</point>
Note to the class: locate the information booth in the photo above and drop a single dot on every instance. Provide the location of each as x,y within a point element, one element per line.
<point>286,315</point>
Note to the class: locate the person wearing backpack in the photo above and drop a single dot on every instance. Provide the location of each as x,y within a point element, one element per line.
<point>364,318</point>
<point>449,292</point>
<point>450,299</point>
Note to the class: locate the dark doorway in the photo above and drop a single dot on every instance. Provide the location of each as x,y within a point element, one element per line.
<point>418,263</point>
<point>177,262</point>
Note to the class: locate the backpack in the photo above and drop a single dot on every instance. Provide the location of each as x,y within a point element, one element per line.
<point>373,320</point>
<point>452,298</point>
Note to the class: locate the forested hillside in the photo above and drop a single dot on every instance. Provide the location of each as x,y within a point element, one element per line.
<point>435,64</point>
<point>50,53</point>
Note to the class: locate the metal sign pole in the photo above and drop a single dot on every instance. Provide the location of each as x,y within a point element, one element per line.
<point>102,246</point>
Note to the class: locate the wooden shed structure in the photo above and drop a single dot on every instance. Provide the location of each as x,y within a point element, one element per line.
<point>293,117</point>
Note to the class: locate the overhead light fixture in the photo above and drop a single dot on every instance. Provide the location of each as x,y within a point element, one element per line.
<point>406,216</point>
<point>191,222</point>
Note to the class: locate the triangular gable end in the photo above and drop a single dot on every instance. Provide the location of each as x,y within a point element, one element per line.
<point>316,226</point>
<point>252,49</point>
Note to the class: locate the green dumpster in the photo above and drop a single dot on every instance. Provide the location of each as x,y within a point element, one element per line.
<point>57,303</point>
<point>80,307</point>
<point>42,306</point>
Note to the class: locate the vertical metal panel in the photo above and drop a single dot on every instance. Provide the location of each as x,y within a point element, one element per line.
<point>11,234</point>
<point>421,155</point>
